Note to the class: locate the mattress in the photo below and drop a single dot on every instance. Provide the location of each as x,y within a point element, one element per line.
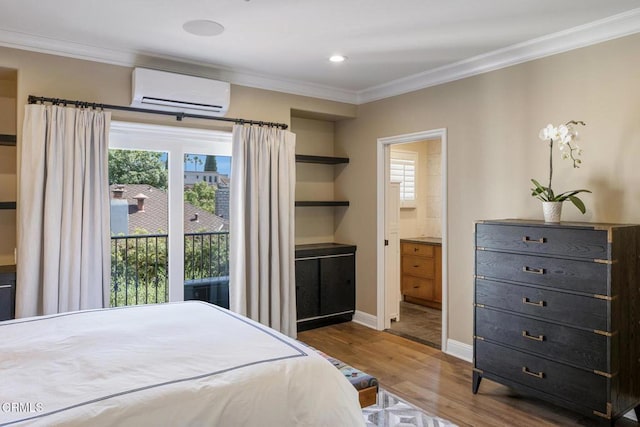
<point>176,364</point>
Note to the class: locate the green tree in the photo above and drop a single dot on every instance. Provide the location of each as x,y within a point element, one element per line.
<point>137,167</point>
<point>194,159</point>
<point>201,195</point>
<point>210,164</point>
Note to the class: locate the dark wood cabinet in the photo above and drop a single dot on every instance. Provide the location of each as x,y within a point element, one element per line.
<point>7,295</point>
<point>325,284</point>
<point>557,313</point>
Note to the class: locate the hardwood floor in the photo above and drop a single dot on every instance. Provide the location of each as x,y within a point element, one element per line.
<point>437,383</point>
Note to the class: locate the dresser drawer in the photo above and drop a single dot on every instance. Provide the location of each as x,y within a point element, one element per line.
<point>587,312</point>
<point>581,276</point>
<point>544,375</point>
<point>418,288</point>
<point>418,266</point>
<point>418,249</point>
<point>556,342</point>
<point>571,242</point>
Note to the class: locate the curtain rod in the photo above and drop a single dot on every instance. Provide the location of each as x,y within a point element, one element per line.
<point>179,115</point>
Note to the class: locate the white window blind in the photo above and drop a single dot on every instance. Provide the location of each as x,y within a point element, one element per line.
<point>403,169</point>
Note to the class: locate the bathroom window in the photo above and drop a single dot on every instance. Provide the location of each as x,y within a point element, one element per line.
<point>403,169</point>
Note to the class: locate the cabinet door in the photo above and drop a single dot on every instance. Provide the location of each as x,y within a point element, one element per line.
<point>307,288</point>
<point>337,284</point>
<point>7,296</point>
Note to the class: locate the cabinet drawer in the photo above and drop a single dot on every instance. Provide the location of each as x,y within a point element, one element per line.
<point>550,377</point>
<point>571,242</point>
<point>561,343</point>
<point>418,288</point>
<point>587,312</point>
<point>418,249</point>
<point>581,276</point>
<point>418,266</point>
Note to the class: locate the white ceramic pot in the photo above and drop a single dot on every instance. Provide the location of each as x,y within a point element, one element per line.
<point>552,211</point>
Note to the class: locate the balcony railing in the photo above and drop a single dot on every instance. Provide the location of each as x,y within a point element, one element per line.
<point>139,268</point>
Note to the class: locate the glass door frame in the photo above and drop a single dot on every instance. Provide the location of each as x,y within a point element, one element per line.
<point>176,142</point>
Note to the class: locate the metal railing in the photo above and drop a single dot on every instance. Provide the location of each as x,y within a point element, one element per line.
<point>139,267</point>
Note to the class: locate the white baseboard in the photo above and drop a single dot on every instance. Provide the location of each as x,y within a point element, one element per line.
<point>365,319</point>
<point>460,350</point>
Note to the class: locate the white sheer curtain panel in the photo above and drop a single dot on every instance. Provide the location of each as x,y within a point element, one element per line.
<point>262,247</point>
<point>63,211</point>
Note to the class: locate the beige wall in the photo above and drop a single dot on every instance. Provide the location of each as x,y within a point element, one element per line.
<point>492,122</point>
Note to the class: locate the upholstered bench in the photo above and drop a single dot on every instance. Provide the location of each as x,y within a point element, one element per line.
<point>366,384</point>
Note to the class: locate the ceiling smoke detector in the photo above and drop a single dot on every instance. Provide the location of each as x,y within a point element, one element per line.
<point>203,28</point>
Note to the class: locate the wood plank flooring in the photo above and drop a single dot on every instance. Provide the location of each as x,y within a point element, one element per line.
<point>437,383</point>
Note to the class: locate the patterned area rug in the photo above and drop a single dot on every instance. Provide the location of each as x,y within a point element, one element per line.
<point>391,411</point>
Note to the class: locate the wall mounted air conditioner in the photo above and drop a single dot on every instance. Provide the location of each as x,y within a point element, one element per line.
<point>160,90</point>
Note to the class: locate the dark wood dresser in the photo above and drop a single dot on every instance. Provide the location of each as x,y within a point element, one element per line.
<point>557,313</point>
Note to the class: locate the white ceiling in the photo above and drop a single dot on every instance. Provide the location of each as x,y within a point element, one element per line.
<point>392,46</point>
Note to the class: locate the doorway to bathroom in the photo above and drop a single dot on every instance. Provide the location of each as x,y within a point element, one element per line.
<point>413,179</point>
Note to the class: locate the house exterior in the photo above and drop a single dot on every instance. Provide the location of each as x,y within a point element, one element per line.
<point>143,209</point>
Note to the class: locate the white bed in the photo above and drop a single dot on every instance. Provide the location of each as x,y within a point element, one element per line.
<point>178,364</point>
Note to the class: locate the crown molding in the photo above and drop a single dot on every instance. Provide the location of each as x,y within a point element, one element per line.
<point>616,26</point>
<point>74,50</point>
<point>610,28</point>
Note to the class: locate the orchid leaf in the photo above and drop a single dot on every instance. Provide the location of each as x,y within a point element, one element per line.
<point>578,203</point>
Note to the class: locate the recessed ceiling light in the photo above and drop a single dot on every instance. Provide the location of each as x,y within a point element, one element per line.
<point>203,27</point>
<point>337,58</point>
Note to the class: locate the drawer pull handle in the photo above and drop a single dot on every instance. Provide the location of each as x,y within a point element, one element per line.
<point>416,287</point>
<point>533,270</point>
<point>533,374</point>
<point>526,300</point>
<point>532,337</point>
<point>527,239</point>
<point>416,266</point>
<point>415,249</point>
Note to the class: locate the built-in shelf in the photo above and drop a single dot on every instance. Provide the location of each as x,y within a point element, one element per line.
<point>327,160</point>
<point>7,139</point>
<point>321,203</point>
<point>7,205</point>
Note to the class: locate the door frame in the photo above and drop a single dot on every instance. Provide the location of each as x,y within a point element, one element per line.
<point>381,190</point>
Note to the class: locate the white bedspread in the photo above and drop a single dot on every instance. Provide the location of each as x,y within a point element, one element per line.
<point>178,364</point>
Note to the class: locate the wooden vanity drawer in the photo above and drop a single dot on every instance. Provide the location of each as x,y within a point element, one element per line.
<point>581,276</point>
<point>418,249</point>
<point>569,242</point>
<point>545,375</point>
<point>418,288</point>
<point>561,343</point>
<point>586,312</point>
<point>418,266</point>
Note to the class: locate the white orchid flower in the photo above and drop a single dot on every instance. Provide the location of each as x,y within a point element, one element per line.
<point>548,132</point>
<point>563,131</point>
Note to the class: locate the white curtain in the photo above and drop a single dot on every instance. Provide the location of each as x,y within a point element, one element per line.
<point>63,211</point>
<point>262,270</point>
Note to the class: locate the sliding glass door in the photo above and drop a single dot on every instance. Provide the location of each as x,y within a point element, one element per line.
<point>181,249</point>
